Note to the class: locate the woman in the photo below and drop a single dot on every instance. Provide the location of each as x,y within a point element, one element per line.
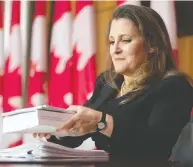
<point>141,103</point>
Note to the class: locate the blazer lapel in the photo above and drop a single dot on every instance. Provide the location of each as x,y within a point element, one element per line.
<point>105,93</point>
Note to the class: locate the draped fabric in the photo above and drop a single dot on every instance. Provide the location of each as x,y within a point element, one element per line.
<point>38,57</point>
<point>12,90</point>
<point>60,71</point>
<point>166,10</point>
<point>84,50</point>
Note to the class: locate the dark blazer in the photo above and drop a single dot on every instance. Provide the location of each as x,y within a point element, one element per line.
<point>147,126</point>
<point>182,151</point>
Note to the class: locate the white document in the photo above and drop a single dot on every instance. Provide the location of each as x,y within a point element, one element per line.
<point>38,119</point>
<point>41,150</point>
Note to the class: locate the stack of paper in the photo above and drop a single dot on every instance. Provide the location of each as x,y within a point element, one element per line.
<point>42,150</point>
<point>38,119</point>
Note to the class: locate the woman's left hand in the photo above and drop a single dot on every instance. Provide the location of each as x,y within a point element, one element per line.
<point>83,122</point>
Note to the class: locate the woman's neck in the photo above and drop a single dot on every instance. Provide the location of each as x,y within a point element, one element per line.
<point>127,80</point>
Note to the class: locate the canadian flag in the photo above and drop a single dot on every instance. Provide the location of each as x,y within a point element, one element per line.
<point>166,10</point>
<point>38,59</point>
<point>84,50</point>
<point>1,56</point>
<point>12,75</point>
<point>60,73</point>
<point>132,2</point>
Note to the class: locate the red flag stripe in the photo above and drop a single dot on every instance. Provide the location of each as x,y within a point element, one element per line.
<point>15,17</point>
<point>119,2</point>
<point>166,10</point>
<point>12,92</point>
<point>38,59</point>
<point>40,8</point>
<point>81,4</point>
<point>84,51</point>
<point>83,55</point>
<point>59,8</point>
<point>16,143</point>
<point>60,56</point>
<point>175,57</point>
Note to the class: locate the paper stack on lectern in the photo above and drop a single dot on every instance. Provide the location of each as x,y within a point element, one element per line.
<point>38,119</point>
<point>46,151</point>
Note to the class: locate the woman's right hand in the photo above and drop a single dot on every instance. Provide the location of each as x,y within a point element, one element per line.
<point>41,135</point>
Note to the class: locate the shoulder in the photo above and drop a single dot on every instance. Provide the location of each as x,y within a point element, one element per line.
<point>99,83</point>
<point>175,87</point>
<point>177,83</point>
<point>100,78</point>
<point>107,77</point>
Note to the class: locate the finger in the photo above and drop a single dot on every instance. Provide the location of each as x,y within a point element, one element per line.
<point>74,120</point>
<point>65,126</point>
<point>41,135</point>
<point>76,132</point>
<point>47,136</point>
<point>81,128</point>
<point>77,125</point>
<point>70,123</point>
<point>34,135</point>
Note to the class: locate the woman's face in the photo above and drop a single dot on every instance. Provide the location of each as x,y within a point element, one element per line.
<point>126,46</point>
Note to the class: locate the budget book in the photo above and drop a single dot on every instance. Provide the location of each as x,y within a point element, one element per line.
<point>39,119</point>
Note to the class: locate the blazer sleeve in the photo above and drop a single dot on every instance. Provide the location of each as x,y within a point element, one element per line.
<point>169,114</point>
<point>98,85</point>
<point>70,141</point>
